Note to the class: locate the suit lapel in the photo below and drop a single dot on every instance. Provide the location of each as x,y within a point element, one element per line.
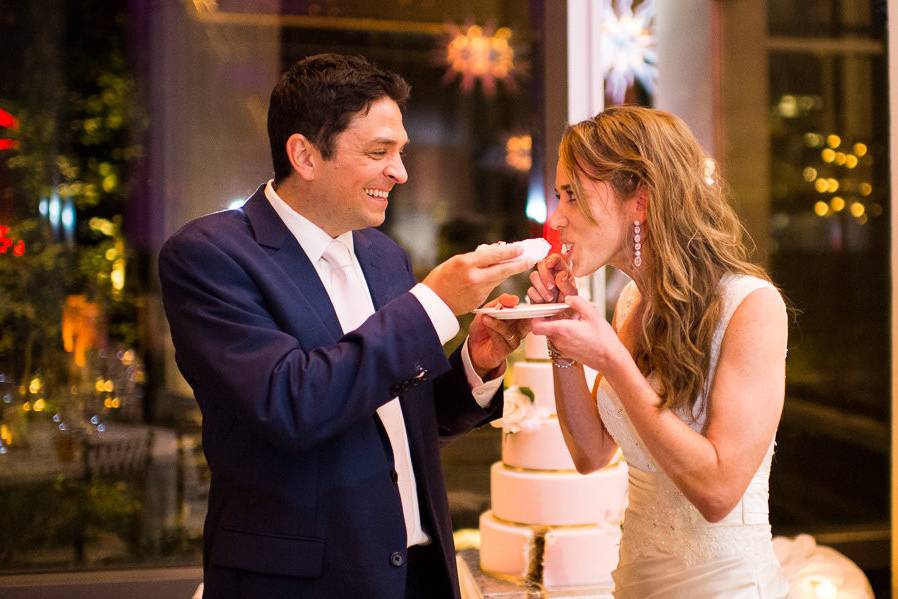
<point>271,232</point>
<point>372,263</point>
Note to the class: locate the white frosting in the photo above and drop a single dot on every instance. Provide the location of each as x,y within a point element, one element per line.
<point>540,448</point>
<point>537,495</point>
<point>535,347</point>
<point>504,548</point>
<point>537,376</point>
<point>572,557</point>
<point>535,249</point>
<point>580,556</point>
<point>559,498</point>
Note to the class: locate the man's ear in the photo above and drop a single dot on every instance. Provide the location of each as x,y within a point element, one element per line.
<point>303,155</point>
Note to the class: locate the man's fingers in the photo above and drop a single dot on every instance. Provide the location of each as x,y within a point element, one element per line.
<point>489,255</point>
<point>499,272</point>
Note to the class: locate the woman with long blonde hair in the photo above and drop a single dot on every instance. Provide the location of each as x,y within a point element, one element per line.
<point>692,365</point>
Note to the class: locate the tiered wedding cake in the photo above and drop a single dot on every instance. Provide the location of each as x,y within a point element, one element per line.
<point>548,523</point>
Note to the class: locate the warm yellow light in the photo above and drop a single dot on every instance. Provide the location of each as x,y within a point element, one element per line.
<point>117,276</point>
<point>820,185</point>
<point>866,189</point>
<point>857,209</point>
<point>875,209</point>
<point>99,385</point>
<point>839,158</point>
<point>860,149</point>
<point>517,152</point>
<point>40,405</point>
<point>128,357</point>
<point>26,407</point>
<point>837,204</point>
<point>862,219</point>
<point>851,161</point>
<point>821,208</point>
<point>107,403</point>
<point>111,254</point>
<point>110,182</point>
<point>6,434</point>
<point>116,403</point>
<point>832,185</point>
<point>809,174</point>
<point>35,385</point>
<point>102,225</point>
<point>827,155</point>
<point>109,386</point>
<point>833,141</point>
<point>813,140</point>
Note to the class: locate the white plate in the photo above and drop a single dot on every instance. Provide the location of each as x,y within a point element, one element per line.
<point>523,311</point>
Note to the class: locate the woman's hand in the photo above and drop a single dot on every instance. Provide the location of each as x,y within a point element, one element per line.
<point>552,281</point>
<point>585,337</point>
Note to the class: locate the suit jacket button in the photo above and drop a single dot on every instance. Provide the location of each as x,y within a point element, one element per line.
<point>394,476</point>
<point>396,559</point>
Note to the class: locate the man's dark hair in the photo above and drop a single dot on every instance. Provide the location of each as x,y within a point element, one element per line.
<point>319,95</point>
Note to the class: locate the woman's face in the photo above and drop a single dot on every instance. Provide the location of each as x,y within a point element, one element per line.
<point>593,244</point>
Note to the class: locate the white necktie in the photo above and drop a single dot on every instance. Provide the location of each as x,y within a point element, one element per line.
<point>348,294</point>
<point>352,302</point>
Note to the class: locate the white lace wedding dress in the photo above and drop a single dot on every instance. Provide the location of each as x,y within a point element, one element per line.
<point>668,549</point>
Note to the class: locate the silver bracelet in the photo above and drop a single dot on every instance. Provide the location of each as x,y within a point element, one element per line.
<point>557,359</point>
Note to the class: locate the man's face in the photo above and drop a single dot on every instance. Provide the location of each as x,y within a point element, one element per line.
<point>367,162</point>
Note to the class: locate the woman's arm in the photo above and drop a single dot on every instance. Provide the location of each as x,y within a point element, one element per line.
<point>712,470</point>
<point>587,440</point>
<point>746,401</point>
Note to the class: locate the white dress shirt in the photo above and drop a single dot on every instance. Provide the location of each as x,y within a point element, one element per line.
<point>314,241</point>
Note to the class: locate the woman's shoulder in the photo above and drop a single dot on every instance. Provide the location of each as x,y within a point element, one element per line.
<point>735,287</point>
<point>738,291</point>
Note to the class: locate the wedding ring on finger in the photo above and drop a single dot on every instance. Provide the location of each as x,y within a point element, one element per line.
<point>511,339</point>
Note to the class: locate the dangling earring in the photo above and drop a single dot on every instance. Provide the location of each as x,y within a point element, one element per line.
<point>637,244</point>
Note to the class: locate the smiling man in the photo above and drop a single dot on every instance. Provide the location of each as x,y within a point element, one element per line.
<point>317,361</point>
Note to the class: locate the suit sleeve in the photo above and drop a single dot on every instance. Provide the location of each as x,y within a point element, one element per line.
<point>457,410</point>
<point>238,360</point>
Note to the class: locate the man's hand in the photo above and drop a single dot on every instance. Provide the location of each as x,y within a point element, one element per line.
<point>464,281</point>
<point>490,340</point>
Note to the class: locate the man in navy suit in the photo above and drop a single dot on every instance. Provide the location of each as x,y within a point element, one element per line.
<point>322,380</point>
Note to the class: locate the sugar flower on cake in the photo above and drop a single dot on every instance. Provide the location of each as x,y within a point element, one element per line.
<point>520,413</point>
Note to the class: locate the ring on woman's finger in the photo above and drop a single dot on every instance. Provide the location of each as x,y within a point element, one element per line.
<point>511,339</point>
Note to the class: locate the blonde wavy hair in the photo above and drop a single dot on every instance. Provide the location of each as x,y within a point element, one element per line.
<point>693,235</point>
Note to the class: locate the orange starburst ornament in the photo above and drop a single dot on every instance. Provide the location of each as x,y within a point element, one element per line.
<point>480,53</point>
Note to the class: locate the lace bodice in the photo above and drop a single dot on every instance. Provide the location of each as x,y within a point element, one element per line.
<point>659,518</point>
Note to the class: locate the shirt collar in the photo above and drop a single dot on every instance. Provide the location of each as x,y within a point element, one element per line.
<point>312,238</point>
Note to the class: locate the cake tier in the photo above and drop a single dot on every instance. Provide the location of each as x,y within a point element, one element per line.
<point>505,548</point>
<point>537,376</point>
<point>571,557</point>
<point>535,347</point>
<point>559,498</point>
<point>537,448</point>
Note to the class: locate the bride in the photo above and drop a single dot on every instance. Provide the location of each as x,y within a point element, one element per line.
<point>692,366</point>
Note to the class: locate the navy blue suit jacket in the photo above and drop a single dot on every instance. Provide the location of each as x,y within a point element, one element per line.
<point>303,501</point>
